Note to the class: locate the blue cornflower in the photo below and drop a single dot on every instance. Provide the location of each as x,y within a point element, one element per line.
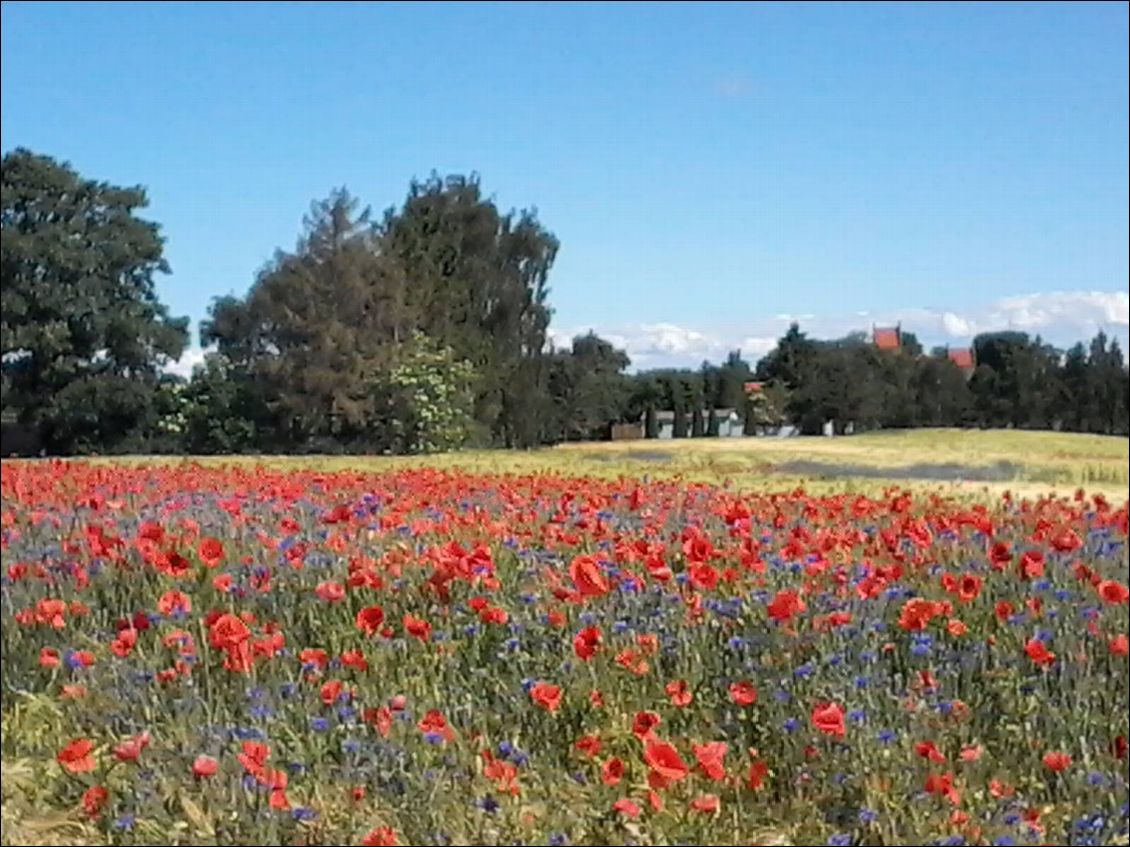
<point>840,839</point>
<point>303,813</point>
<point>922,644</point>
<point>886,736</point>
<point>125,822</point>
<point>319,724</point>
<point>351,746</point>
<point>862,682</point>
<point>488,804</point>
<point>782,696</point>
<point>433,738</point>
<point>1096,779</point>
<point>558,839</point>
<point>791,725</point>
<point>804,671</point>
<point>857,716</point>
<point>867,815</point>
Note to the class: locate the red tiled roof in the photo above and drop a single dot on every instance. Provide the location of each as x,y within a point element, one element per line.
<point>752,387</point>
<point>887,339</point>
<point>962,357</point>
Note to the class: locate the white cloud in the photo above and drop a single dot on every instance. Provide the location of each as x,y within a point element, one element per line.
<point>1062,317</point>
<point>191,357</point>
<point>1059,317</point>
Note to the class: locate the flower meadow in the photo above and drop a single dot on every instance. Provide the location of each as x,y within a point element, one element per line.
<point>237,655</point>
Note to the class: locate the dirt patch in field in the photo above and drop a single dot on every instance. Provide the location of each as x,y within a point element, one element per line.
<point>941,472</point>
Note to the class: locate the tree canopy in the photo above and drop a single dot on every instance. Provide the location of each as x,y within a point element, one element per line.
<point>427,328</point>
<point>82,333</point>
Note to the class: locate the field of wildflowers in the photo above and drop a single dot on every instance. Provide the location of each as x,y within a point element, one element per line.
<point>236,655</point>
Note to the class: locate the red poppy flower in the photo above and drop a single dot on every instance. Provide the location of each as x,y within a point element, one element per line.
<point>587,578</point>
<point>589,745</point>
<point>828,718</point>
<point>130,749</point>
<point>969,588</point>
<point>381,836</point>
<point>956,628</point>
<point>227,632</point>
<point>211,552</point>
<point>94,799</point>
<point>644,723</point>
<point>380,718</point>
<point>612,771</point>
<point>785,605</point>
<point>331,690</point>
<point>1113,592</point>
<point>917,613</point>
<point>971,753</point>
<point>204,766</point>
<point>76,756</point>
<point>626,807</point>
<point>941,785</point>
<point>546,695</point>
<point>254,757</point>
<point>929,750</point>
<point>756,776</point>
<point>172,602</point>
<point>1038,652</point>
<point>48,657</point>
<point>679,692</point>
<point>710,759</point>
<point>1119,645</point>
<point>587,642</point>
<point>1032,564</point>
<point>370,618</point>
<point>743,693</point>
<point>664,760</point>
<point>331,592</point>
<point>706,804</point>
<point>417,627</point>
<point>1057,761</point>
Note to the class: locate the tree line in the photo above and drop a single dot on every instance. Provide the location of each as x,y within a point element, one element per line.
<point>421,329</point>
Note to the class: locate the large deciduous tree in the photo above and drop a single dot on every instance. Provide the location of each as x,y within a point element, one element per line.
<point>82,332</point>
<point>479,283</point>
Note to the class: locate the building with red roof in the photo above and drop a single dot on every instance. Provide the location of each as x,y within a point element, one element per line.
<point>888,338</point>
<point>962,357</point>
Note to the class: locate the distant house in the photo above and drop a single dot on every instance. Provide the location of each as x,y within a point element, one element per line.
<point>887,338</point>
<point>729,422</point>
<point>627,431</point>
<point>962,357</point>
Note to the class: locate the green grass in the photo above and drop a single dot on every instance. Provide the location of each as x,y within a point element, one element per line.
<point>1037,462</point>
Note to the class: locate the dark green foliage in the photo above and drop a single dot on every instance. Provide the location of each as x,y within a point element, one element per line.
<point>428,330</point>
<point>82,333</point>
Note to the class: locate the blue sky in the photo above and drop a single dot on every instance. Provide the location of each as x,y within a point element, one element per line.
<point>711,170</point>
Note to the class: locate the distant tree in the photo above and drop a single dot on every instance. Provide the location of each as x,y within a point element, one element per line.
<point>82,333</point>
<point>589,388</point>
<point>319,327</point>
<point>480,283</point>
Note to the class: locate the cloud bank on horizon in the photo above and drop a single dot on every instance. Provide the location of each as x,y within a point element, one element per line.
<point>1061,317</point>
